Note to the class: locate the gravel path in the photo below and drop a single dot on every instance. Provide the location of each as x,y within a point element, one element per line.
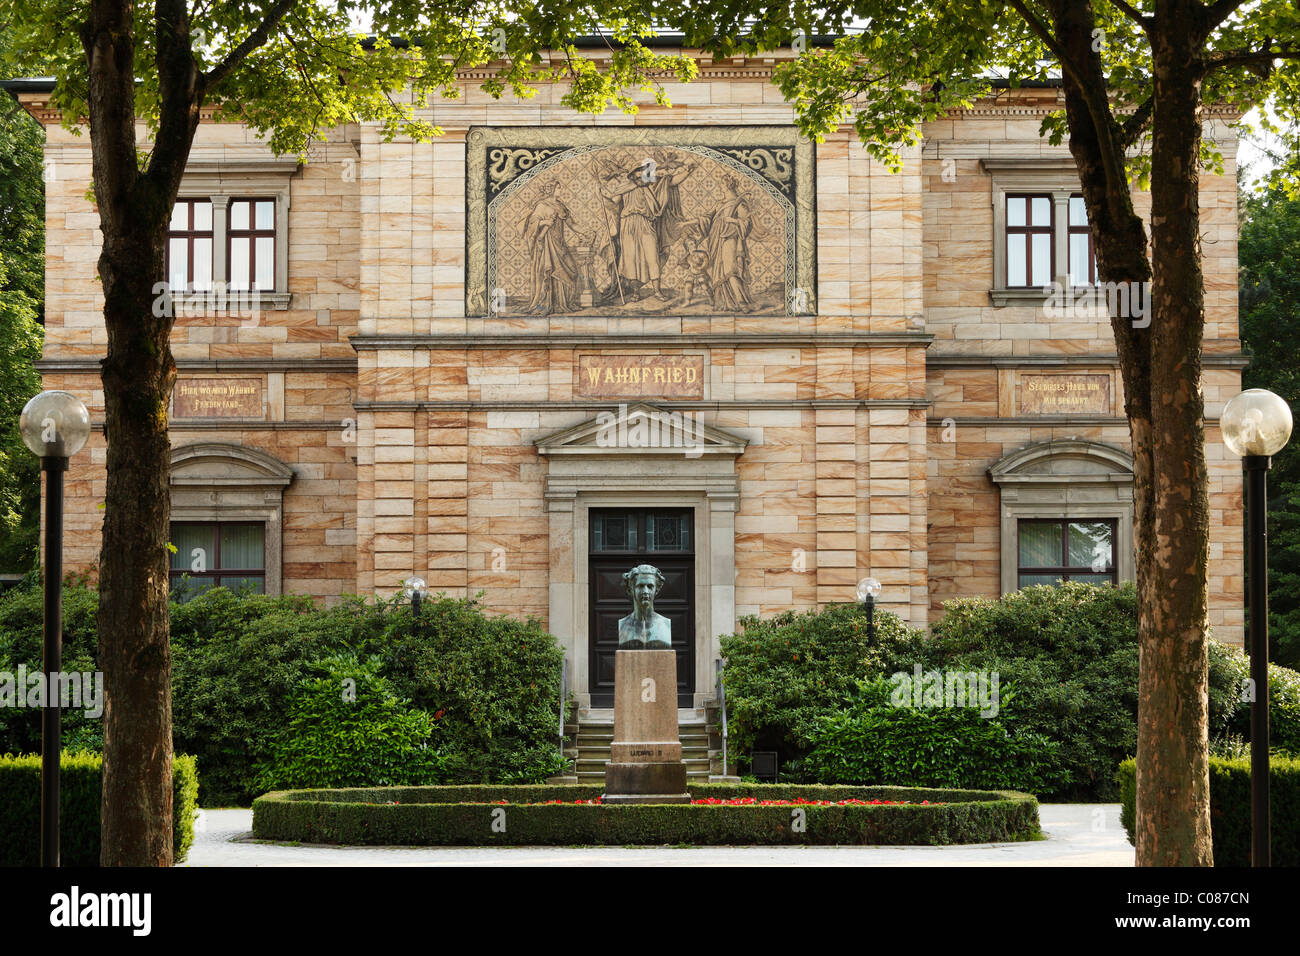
<point>1077,835</point>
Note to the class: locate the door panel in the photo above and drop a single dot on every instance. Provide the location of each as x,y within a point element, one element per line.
<point>608,602</point>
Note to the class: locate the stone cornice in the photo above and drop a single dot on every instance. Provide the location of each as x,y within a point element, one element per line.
<point>541,404</point>
<point>570,340</point>
<point>941,360</point>
<point>216,365</point>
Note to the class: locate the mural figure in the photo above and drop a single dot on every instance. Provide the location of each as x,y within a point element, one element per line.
<point>643,216</point>
<point>554,269</point>
<point>728,231</point>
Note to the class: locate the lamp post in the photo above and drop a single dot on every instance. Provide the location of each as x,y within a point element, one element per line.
<point>415,589</point>
<point>1256,425</point>
<point>54,425</point>
<point>868,590</point>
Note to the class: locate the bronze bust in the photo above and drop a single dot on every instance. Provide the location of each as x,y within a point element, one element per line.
<point>643,628</point>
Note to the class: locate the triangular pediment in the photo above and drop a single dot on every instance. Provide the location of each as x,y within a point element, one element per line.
<point>641,429</point>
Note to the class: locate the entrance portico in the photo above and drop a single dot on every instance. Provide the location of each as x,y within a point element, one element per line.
<point>682,467</point>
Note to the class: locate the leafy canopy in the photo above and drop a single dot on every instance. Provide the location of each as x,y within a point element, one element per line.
<point>291,69</point>
<point>899,65</point>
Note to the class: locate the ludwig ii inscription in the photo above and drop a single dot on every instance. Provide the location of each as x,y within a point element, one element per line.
<point>218,398</point>
<point>1065,394</point>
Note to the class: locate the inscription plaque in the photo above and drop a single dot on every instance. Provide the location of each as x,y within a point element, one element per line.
<point>1065,394</point>
<point>218,398</point>
<point>641,376</point>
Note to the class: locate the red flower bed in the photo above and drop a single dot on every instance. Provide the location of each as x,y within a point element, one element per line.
<point>800,802</point>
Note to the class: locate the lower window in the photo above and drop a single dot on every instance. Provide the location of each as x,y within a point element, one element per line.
<point>226,554</point>
<point>1055,550</point>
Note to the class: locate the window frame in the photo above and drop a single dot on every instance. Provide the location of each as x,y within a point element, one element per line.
<point>1071,230</point>
<point>1029,230</point>
<point>214,571</point>
<point>1057,176</point>
<point>1066,571</point>
<point>212,173</point>
<point>252,234</point>
<point>190,234</point>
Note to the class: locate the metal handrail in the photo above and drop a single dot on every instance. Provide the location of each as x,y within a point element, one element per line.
<point>722,707</point>
<point>564,696</point>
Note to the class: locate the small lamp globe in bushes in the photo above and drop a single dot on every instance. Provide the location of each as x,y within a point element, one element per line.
<point>415,589</point>
<point>1256,425</point>
<point>55,426</point>
<point>868,591</point>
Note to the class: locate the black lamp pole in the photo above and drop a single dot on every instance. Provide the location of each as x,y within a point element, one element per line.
<point>1256,467</point>
<point>52,663</point>
<point>871,618</point>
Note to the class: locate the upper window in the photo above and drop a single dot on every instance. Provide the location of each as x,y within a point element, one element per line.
<point>229,237</point>
<point>189,246</point>
<point>1066,550</point>
<point>218,554</point>
<point>1041,236</point>
<point>1029,240</point>
<point>252,244</point>
<point>1083,258</point>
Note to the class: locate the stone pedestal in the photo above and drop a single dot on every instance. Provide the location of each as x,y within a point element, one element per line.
<point>646,755</point>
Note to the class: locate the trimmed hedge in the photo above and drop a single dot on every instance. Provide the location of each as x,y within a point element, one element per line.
<point>79,808</point>
<point>491,685</point>
<point>476,816</point>
<point>873,742</point>
<point>1230,808</point>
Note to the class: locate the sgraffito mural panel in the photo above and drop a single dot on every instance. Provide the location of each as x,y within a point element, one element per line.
<point>640,221</point>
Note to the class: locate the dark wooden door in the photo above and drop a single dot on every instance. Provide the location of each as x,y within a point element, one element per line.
<point>620,539</point>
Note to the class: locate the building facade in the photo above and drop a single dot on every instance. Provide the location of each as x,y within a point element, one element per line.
<point>545,347</point>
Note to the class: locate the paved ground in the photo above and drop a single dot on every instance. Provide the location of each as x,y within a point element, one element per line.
<point>1077,835</point>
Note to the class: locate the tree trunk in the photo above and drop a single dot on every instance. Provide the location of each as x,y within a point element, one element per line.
<point>134,633</point>
<point>1173,785</point>
<point>138,374</point>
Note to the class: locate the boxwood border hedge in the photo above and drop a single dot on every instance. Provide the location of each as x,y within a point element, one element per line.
<point>80,790</point>
<point>464,816</point>
<point>1230,808</point>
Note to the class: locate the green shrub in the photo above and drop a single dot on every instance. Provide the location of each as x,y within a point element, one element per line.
<point>492,685</point>
<point>347,728</point>
<point>1283,700</point>
<point>79,808</point>
<point>875,742</point>
<point>22,615</point>
<point>1230,808</point>
<point>235,663</point>
<point>1071,652</point>
<point>440,816</point>
<point>784,672</point>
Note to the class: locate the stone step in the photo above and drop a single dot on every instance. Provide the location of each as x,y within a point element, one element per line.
<point>597,767</point>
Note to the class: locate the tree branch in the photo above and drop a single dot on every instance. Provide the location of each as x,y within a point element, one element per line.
<point>1132,128</point>
<point>1049,41</point>
<point>1216,13</point>
<point>251,42</point>
<point>1132,13</point>
<point>1229,58</point>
